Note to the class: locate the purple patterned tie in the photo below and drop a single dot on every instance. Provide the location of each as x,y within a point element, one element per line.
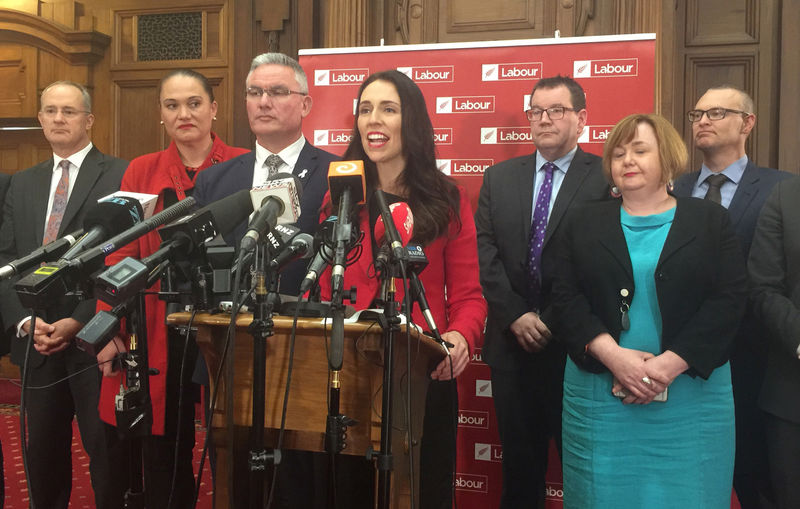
<point>538,228</point>
<point>59,204</point>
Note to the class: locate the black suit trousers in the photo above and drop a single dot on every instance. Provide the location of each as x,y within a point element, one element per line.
<point>527,402</point>
<point>70,386</point>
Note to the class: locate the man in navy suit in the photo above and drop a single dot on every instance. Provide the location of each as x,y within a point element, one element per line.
<point>722,120</point>
<point>527,367</point>
<point>277,103</point>
<point>44,203</point>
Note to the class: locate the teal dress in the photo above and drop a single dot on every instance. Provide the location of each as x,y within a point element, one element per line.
<point>661,455</point>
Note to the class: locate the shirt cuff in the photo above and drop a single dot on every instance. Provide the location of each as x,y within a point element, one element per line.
<point>20,332</point>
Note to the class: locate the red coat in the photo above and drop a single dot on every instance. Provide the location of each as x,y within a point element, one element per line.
<point>152,174</point>
<point>452,264</point>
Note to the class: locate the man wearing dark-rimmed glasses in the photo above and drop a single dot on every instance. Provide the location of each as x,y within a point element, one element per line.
<point>522,202</point>
<point>721,121</point>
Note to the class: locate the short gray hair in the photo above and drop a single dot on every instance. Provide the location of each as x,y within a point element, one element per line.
<point>87,99</point>
<point>746,101</point>
<point>284,60</point>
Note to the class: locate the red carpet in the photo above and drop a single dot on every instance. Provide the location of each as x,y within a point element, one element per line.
<point>82,495</point>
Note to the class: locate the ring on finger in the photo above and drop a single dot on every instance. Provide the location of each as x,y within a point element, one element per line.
<point>647,380</point>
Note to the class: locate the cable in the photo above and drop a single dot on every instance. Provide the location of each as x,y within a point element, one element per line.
<point>22,424</point>
<point>179,423</point>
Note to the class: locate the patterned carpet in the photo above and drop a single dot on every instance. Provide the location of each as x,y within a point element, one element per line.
<point>16,491</point>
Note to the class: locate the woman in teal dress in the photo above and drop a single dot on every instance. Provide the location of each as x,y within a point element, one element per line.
<point>648,294</point>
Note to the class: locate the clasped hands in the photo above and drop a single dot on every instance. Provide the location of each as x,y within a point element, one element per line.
<point>642,374</point>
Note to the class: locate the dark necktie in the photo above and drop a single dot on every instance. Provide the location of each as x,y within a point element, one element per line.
<point>272,163</point>
<point>538,228</point>
<point>59,204</point>
<point>715,182</point>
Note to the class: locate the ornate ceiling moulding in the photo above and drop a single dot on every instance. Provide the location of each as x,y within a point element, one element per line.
<point>75,46</point>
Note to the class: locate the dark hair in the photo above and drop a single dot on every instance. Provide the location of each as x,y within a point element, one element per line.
<point>576,92</point>
<point>189,73</point>
<point>433,197</point>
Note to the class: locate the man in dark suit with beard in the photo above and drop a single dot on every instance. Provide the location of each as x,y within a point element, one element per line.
<point>42,204</point>
<point>521,204</point>
<point>722,120</point>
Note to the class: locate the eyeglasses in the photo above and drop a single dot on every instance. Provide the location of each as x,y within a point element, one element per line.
<point>255,93</point>
<point>68,113</point>
<point>554,113</point>
<point>713,114</point>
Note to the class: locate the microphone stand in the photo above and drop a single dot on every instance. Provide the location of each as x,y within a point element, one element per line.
<point>391,326</point>
<point>261,328</point>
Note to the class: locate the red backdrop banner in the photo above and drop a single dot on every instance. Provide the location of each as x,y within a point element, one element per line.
<point>476,95</point>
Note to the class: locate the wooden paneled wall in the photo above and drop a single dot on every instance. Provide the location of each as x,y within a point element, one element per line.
<point>750,43</point>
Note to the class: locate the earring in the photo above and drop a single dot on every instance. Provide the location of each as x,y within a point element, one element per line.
<point>161,122</point>
<point>214,118</point>
<point>670,185</point>
<point>615,192</point>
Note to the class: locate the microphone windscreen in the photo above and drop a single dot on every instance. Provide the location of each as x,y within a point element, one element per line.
<point>403,220</point>
<point>114,215</point>
<point>229,212</point>
<point>287,190</point>
<point>347,175</point>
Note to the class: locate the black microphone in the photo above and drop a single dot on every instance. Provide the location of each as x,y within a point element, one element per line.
<point>347,184</point>
<point>324,256</point>
<point>416,261</point>
<point>292,245</point>
<point>392,235</point>
<point>46,253</point>
<point>278,199</point>
<point>110,216</point>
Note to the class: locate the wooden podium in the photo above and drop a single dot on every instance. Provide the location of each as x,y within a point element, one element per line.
<point>361,393</point>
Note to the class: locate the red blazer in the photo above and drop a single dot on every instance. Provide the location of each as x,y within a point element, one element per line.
<point>152,174</point>
<point>452,265</point>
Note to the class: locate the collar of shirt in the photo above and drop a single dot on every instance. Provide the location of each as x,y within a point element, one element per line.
<point>734,172</point>
<point>75,159</point>
<point>562,163</point>
<point>289,155</point>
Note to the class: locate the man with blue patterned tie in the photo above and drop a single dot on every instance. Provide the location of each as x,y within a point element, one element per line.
<point>44,203</point>
<point>521,203</point>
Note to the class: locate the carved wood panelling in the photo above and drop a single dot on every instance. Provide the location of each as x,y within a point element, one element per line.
<point>212,41</point>
<point>22,149</point>
<point>18,74</point>
<point>710,22</point>
<point>461,20</point>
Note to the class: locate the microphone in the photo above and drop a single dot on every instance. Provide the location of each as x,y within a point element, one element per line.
<point>398,233</point>
<point>324,256</point>
<point>290,243</point>
<point>347,185</point>
<point>48,252</point>
<point>392,234</point>
<point>276,202</point>
<point>49,283</point>
<point>110,216</point>
<point>179,239</point>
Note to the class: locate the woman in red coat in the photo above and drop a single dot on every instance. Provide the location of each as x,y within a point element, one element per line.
<point>188,109</point>
<point>393,135</point>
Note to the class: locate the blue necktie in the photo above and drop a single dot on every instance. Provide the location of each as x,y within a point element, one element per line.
<point>538,229</point>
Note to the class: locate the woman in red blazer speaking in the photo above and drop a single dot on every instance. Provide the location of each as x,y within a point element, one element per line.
<point>393,135</point>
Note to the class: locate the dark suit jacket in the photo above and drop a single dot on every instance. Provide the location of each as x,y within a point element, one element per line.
<point>5,337</point>
<point>503,221</point>
<point>700,282</point>
<point>774,268</point>
<point>236,174</point>
<point>751,193</point>
<point>22,230</point>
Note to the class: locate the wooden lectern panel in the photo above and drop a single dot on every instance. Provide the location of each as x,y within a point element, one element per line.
<point>360,396</point>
